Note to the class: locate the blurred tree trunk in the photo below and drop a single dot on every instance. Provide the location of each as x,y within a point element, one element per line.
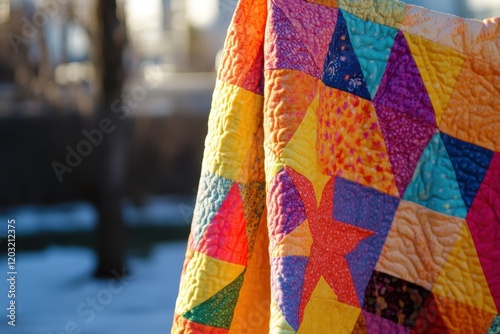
<point>109,47</point>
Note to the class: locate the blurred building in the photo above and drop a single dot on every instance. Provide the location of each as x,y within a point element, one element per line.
<point>165,35</point>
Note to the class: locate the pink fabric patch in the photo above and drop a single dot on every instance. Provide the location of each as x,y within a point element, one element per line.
<point>484,224</point>
<point>227,231</point>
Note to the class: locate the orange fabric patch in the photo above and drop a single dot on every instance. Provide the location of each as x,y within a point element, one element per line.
<point>463,318</point>
<point>421,237</point>
<point>253,165</point>
<point>326,3</point>
<point>487,45</point>
<point>350,143</point>
<point>289,94</point>
<point>241,62</point>
<point>251,314</point>
<point>472,113</point>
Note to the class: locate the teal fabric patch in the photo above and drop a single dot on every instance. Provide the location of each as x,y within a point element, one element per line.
<point>495,326</point>
<point>212,191</point>
<point>372,43</point>
<point>434,183</point>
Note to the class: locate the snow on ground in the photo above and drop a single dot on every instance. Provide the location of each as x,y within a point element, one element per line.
<point>55,293</point>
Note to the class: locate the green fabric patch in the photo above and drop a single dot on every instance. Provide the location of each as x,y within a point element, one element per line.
<point>218,310</point>
<point>495,326</point>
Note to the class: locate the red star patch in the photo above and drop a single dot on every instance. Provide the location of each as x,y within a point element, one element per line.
<point>332,241</point>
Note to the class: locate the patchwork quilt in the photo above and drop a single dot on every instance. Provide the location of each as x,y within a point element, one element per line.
<point>351,175</point>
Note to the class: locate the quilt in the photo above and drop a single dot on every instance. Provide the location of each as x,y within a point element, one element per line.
<point>351,174</point>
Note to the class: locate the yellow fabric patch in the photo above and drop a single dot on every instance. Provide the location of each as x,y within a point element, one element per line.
<point>340,318</point>
<point>452,31</point>
<point>253,166</point>
<point>462,278</point>
<point>234,120</point>
<point>279,325</point>
<point>204,277</point>
<point>296,243</point>
<point>422,238</point>
<point>272,164</point>
<point>300,153</point>
<point>439,67</point>
<point>389,13</point>
<point>252,311</point>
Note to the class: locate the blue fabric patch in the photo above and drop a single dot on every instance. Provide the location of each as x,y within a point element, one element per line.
<point>369,209</point>
<point>287,286</point>
<point>212,191</point>
<point>372,43</point>
<point>434,183</point>
<point>286,210</point>
<point>470,162</point>
<point>342,69</point>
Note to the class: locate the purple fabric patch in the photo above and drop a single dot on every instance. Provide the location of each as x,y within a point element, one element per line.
<point>369,209</point>
<point>402,87</point>
<point>308,20</point>
<point>405,137</point>
<point>285,208</point>
<point>284,49</point>
<point>286,284</point>
<point>376,324</point>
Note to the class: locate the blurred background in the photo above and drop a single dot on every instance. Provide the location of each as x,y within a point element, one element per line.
<point>103,113</point>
